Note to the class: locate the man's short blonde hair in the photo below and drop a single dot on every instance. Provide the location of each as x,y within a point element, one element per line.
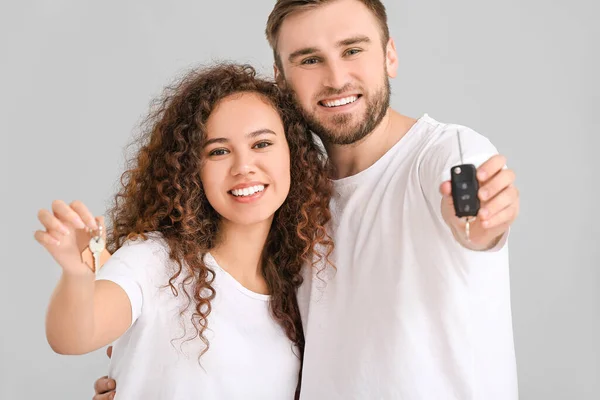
<point>284,8</point>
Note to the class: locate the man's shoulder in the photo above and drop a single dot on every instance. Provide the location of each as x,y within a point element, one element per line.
<point>443,133</point>
<point>445,144</point>
<point>447,139</point>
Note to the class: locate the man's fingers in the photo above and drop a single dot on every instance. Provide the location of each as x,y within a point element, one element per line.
<point>503,217</point>
<point>104,385</point>
<point>100,386</point>
<point>446,188</point>
<point>504,199</point>
<point>497,231</point>
<point>104,396</point>
<point>489,168</point>
<point>496,184</point>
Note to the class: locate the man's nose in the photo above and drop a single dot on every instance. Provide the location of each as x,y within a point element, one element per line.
<point>336,75</point>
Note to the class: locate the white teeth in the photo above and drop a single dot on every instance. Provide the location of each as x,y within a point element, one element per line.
<point>248,191</point>
<point>340,102</point>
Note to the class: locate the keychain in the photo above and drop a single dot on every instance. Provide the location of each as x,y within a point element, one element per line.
<point>95,254</point>
<point>464,190</point>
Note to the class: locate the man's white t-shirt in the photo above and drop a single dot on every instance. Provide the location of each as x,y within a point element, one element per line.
<point>250,357</point>
<point>408,314</point>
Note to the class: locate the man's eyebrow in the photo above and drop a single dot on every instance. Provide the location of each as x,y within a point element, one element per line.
<point>302,52</point>
<point>354,40</point>
<point>250,135</point>
<point>345,42</point>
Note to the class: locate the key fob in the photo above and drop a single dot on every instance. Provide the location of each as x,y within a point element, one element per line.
<point>464,190</point>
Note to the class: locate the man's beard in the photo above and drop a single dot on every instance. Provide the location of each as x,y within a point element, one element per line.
<point>344,131</point>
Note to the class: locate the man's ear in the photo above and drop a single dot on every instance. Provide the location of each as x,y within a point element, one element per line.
<point>391,58</point>
<point>278,76</point>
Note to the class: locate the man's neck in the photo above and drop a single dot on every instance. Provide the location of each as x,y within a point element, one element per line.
<point>239,252</point>
<point>349,160</point>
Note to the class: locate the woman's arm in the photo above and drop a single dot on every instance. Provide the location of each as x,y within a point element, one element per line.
<point>83,314</point>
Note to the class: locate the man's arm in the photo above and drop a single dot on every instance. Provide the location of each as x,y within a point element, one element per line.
<point>498,195</point>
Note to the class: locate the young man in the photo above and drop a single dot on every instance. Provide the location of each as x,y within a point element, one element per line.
<point>416,308</point>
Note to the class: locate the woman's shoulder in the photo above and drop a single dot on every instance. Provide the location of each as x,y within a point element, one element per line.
<point>148,247</point>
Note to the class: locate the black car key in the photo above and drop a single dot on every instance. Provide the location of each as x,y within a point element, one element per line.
<point>464,187</point>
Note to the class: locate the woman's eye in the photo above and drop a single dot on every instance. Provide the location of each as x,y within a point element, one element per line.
<point>218,152</point>
<point>262,145</point>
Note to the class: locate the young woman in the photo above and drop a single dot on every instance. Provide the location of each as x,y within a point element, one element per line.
<point>225,203</point>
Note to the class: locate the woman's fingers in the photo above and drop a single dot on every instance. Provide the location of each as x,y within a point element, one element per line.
<point>54,227</point>
<point>66,214</point>
<point>45,239</point>
<point>84,215</point>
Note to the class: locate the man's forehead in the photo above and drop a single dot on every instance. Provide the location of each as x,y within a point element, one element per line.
<point>326,26</point>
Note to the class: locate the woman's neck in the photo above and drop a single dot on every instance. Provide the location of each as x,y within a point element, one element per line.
<point>239,252</point>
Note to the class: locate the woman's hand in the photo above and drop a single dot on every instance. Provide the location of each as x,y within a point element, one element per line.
<point>67,234</point>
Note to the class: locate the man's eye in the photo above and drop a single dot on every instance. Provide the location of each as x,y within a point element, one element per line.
<point>352,52</point>
<point>309,61</point>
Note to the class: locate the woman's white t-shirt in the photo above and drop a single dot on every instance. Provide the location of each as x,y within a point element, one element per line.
<point>249,357</point>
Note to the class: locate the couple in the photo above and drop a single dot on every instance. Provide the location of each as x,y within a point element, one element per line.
<point>247,264</point>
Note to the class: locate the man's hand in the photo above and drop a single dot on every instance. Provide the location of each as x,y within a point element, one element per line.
<point>499,206</point>
<point>105,387</point>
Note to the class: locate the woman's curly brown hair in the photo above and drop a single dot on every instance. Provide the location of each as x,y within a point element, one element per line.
<point>162,192</point>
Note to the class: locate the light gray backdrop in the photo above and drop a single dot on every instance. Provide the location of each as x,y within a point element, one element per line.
<point>77,76</point>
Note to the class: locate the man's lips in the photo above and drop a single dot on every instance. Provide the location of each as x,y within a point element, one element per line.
<point>339,101</point>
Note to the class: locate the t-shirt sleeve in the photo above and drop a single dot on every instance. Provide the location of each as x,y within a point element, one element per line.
<point>444,154</point>
<point>126,268</point>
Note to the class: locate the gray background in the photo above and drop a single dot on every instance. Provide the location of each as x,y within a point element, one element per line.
<point>76,78</point>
